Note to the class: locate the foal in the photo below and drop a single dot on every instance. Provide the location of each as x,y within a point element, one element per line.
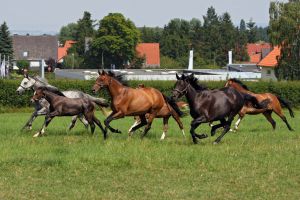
<point>63,106</point>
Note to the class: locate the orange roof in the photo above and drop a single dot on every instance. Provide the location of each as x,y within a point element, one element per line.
<point>254,48</point>
<point>63,51</point>
<point>255,58</point>
<point>150,51</point>
<point>271,59</point>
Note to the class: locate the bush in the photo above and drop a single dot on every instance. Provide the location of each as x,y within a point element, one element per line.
<point>9,97</point>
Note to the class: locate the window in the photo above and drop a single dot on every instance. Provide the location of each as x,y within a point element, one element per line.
<point>268,72</point>
<point>25,54</point>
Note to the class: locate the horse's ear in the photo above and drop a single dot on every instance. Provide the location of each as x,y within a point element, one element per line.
<point>99,72</point>
<point>183,77</point>
<point>178,78</point>
<point>103,72</point>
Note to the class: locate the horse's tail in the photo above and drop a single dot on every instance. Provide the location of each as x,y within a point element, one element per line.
<point>286,104</point>
<point>173,104</point>
<point>254,102</point>
<point>102,103</point>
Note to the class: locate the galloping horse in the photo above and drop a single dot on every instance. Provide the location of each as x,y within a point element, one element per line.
<point>42,106</point>
<point>210,105</point>
<point>274,104</point>
<point>63,106</point>
<point>128,101</point>
<point>166,112</point>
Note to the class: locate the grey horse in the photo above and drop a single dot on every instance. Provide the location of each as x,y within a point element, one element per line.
<point>42,106</point>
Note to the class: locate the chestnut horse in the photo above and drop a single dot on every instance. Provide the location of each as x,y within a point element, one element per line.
<point>64,106</point>
<point>166,112</point>
<point>273,105</point>
<point>128,101</point>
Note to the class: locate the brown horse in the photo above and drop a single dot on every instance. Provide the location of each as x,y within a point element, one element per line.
<point>128,101</point>
<point>64,106</point>
<point>166,112</point>
<point>273,105</point>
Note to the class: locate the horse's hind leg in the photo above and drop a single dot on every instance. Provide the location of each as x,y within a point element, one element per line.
<point>226,126</point>
<point>83,120</point>
<point>165,129</point>
<point>281,115</point>
<point>148,126</point>
<point>177,119</point>
<point>142,123</point>
<point>100,126</point>
<point>268,115</point>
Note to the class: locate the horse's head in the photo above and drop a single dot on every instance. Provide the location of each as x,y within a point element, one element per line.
<point>180,87</point>
<point>103,80</point>
<point>26,84</point>
<point>38,94</point>
<point>237,84</point>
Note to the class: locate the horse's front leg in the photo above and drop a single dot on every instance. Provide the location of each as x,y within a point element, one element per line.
<point>194,124</point>
<point>113,116</point>
<point>165,129</point>
<point>29,122</point>
<point>48,119</point>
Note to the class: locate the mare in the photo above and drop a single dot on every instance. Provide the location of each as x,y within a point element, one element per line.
<point>42,106</point>
<point>127,101</point>
<point>64,106</point>
<point>273,106</point>
<point>210,105</point>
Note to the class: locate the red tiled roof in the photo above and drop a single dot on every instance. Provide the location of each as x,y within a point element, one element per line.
<point>63,51</point>
<point>271,59</point>
<point>255,51</point>
<point>150,51</point>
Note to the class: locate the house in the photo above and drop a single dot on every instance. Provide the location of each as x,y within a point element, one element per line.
<point>150,51</point>
<point>34,48</point>
<point>258,51</point>
<point>269,63</point>
<point>63,51</point>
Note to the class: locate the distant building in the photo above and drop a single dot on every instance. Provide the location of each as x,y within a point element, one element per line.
<point>257,51</point>
<point>150,51</point>
<point>63,51</point>
<point>269,63</point>
<point>35,48</point>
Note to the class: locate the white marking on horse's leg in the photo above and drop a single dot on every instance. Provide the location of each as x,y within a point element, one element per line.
<point>163,136</point>
<point>135,124</point>
<point>183,133</point>
<point>37,134</point>
<point>236,126</point>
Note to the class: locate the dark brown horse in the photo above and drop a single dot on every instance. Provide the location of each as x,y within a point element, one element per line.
<point>166,112</point>
<point>211,105</point>
<point>126,101</point>
<point>273,105</point>
<point>63,106</point>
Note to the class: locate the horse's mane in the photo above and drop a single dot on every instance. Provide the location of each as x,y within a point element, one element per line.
<point>194,83</point>
<point>239,82</point>
<point>118,77</point>
<point>40,79</point>
<point>44,84</point>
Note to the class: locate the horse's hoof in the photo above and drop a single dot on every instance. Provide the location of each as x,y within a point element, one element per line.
<point>37,134</point>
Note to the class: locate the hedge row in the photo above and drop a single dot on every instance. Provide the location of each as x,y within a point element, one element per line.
<point>9,97</point>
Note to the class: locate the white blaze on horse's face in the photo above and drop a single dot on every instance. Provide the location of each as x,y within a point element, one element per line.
<point>26,84</point>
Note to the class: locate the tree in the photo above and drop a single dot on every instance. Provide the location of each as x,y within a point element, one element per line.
<point>240,51</point>
<point>284,31</point>
<point>68,32</point>
<point>251,31</point>
<point>115,41</point>
<point>6,47</point>
<point>149,34</point>
<point>85,29</point>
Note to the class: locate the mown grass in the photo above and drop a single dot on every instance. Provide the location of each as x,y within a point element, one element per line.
<point>256,163</point>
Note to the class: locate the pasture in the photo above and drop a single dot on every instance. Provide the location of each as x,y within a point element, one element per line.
<point>255,163</point>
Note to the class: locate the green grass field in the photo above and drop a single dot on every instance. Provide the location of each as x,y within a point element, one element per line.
<point>255,163</point>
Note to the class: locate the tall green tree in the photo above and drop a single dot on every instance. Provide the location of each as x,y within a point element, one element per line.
<point>284,31</point>
<point>251,30</point>
<point>68,32</point>
<point>115,41</point>
<point>240,51</point>
<point>85,29</point>
<point>6,47</point>
<point>149,34</point>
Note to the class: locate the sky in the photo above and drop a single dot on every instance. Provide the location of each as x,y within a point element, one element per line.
<point>48,16</point>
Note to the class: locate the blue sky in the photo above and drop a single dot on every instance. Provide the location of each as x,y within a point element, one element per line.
<point>49,16</point>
